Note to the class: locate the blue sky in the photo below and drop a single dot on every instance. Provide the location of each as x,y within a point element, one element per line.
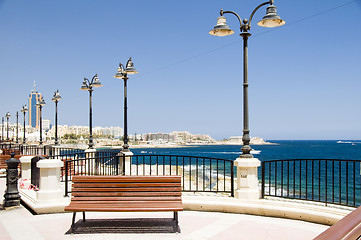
<point>305,77</point>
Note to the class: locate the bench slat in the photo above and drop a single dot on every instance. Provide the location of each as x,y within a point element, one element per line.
<point>117,209</point>
<point>111,199</point>
<point>126,185</point>
<point>130,194</point>
<point>150,189</point>
<point>160,206</point>
<point>125,179</point>
<point>127,203</point>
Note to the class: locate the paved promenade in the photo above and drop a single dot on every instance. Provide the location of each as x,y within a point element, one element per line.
<point>19,224</point>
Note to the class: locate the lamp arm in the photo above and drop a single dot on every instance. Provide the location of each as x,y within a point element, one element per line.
<point>255,10</point>
<point>239,18</point>
<point>91,83</point>
<point>87,81</point>
<point>121,67</point>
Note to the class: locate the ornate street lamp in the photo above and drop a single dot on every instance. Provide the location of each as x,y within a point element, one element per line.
<point>88,85</point>
<point>56,98</point>
<point>24,110</point>
<point>40,103</point>
<point>7,131</point>
<point>222,29</point>
<point>123,74</point>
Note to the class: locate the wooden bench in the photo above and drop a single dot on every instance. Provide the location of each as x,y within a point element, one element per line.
<point>348,228</point>
<point>3,158</point>
<point>125,194</point>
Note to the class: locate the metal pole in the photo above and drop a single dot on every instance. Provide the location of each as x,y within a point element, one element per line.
<point>7,131</point>
<point>56,123</point>
<point>24,129</point>
<point>41,128</point>
<point>2,129</point>
<point>17,127</point>
<point>246,148</point>
<point>125,140</point>
<point>90,120</point>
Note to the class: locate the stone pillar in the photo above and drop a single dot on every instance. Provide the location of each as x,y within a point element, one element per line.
<point>247,179</point>
<point>127,160</point>
<point>92,163</point>
<point>49,189</point>
<point>26,170</point>
<point>12,196</point>
<point>56,150</point>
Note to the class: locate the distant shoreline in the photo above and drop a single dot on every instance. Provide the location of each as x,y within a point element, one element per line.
<point>256,141</point>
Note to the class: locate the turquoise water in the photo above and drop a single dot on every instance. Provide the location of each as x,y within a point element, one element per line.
<point>342,185</point>
<point>285,149</point>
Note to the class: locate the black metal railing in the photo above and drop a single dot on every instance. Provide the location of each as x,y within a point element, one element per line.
<point>199,174</point>
<point>331,181</point>
<point>47,150</point>
<point>107,152</point>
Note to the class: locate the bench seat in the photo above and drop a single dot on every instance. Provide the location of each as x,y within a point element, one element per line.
<point>125,194</point>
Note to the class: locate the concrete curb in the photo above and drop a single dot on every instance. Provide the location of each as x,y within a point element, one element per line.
<point>271,208</point>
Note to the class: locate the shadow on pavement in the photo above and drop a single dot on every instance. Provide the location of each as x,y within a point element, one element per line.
<point>133,225</point>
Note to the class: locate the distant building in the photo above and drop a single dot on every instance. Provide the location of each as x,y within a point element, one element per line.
<point>34,114</point>
<point>46,124</point>
<point>176,136</point>
<point>115,132</point>
<point>166,137</point>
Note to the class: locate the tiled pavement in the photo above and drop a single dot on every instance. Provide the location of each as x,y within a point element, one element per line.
<point>19,224</point>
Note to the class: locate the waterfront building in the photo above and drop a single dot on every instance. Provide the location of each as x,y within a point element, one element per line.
<point>166,137</point>
<point>46,124</point>
<point>34,113</point>
<point>176,136</point>
<point>115,132</point>
<point>181,136</point>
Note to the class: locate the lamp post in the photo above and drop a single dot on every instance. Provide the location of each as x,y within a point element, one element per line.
<point>7,131</point>
<point>2,129</point>
<point>222,29</point>
<point>17,127</point>
<point>88,85</point>
<point>24,110</point>
<point>40,103</point>
<point>123,74</point>
<point>56,98</point>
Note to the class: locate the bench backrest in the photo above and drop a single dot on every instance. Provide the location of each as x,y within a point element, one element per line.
<point>126,188</point>
<point>3,158</point>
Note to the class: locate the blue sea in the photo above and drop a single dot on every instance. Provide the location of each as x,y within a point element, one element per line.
<point>341,185</point>
<point>282,149</point>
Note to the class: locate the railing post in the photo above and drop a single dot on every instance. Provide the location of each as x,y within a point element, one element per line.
<point>49,187</point>
<point>263,169</point>
<point>90,155</point>
<point>247,180</point>
<point>123,162</point>
<point>127,162</point>
<point>118,165</point>
<point>232,179</point>
<point>66,178</point>
<point>26,170</point>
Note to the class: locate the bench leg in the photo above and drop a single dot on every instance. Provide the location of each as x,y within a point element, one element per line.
<point>83,216</point>
<point>175,219</point>
<point>73,223</point>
